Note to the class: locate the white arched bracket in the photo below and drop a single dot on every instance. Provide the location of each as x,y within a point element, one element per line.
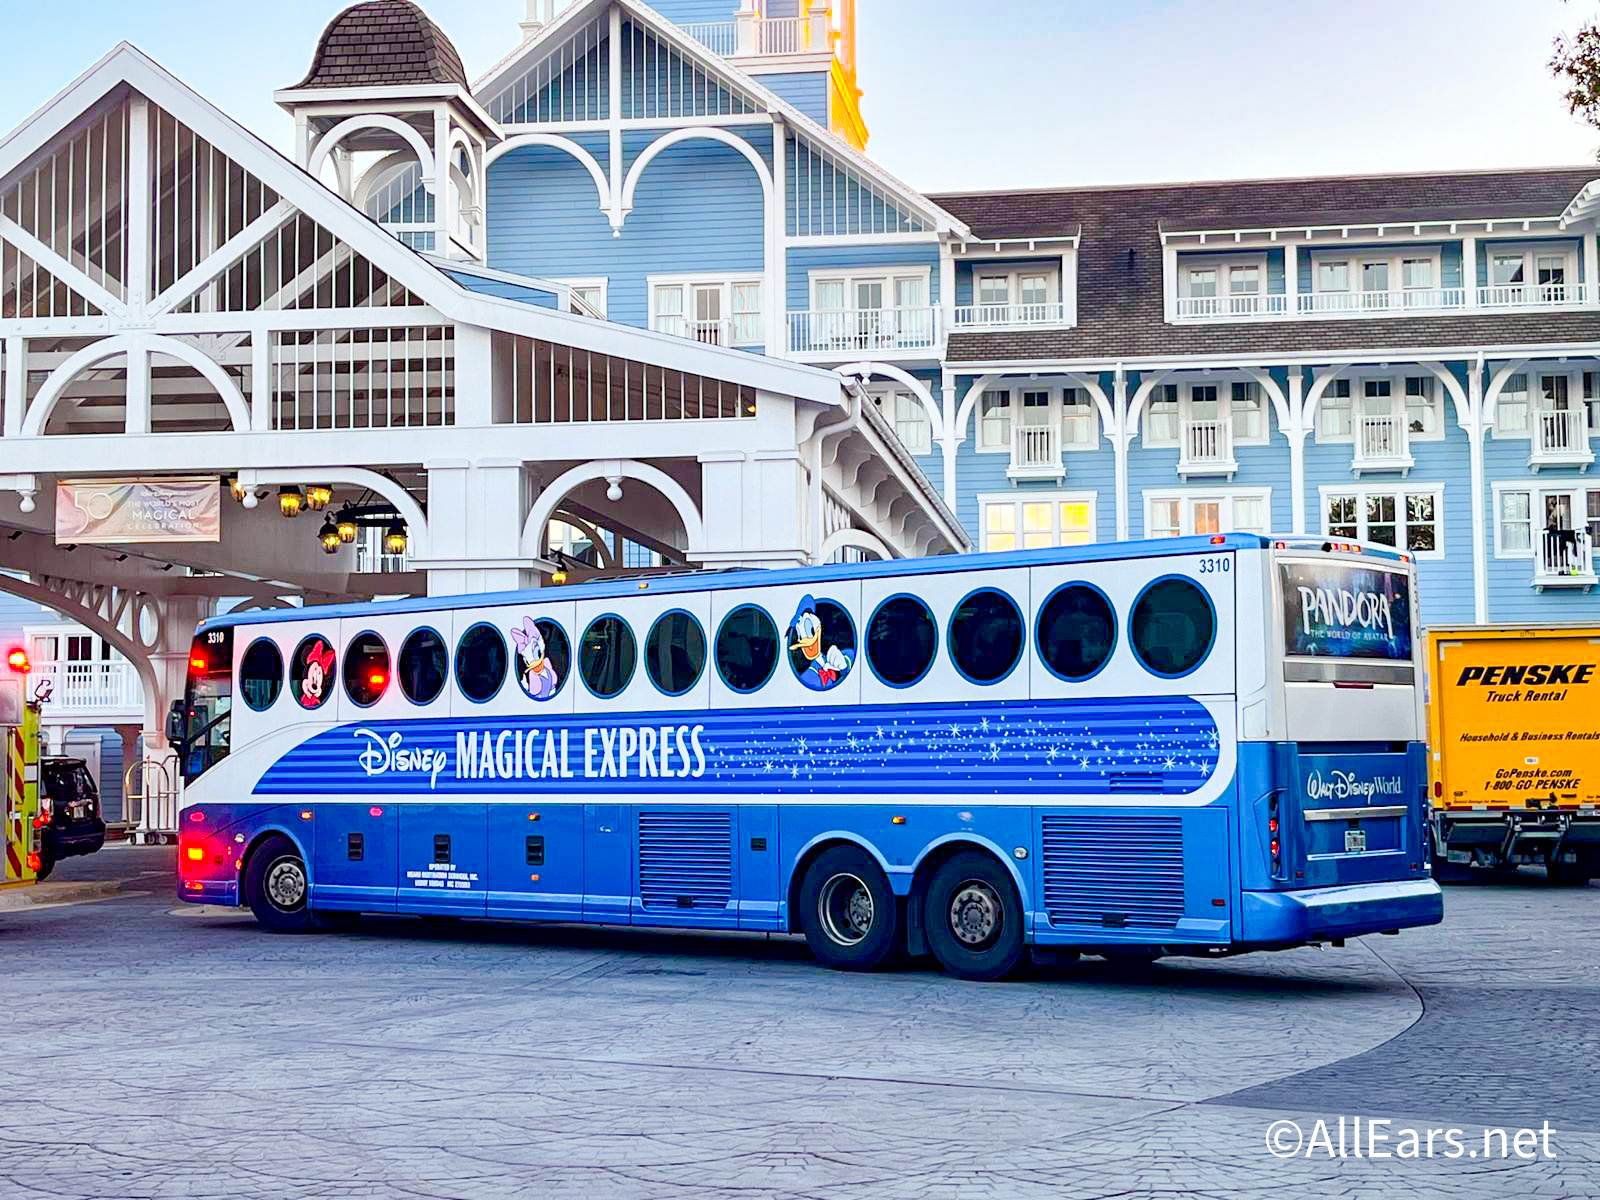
<point>1497,384</point>
<point>1321,379</point>
<point>970,402</point>
<point>614,471</point>
<point>677,137</point>
<point>1141,397</point>
<point>864,371</point>
<point>138,347</point>
<point>251,478</point>
<point>858,539</point>
<point>554,141</point>
<point>329,141</point>
<point>1263,379</point>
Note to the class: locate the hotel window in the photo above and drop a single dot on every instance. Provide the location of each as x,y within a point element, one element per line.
<point>1180,514</point>
<point>1551,272</point>
<point>1244,280</point>
<point>1334,416</point>
<point>1511,415</point>
<point>1248,408</point>
<point>1078,418</point>
<point>1514,527</point>
<point>1416,274</point>
<point>1333,277</point>
<point>994,291</point>
<point>1375,279</point>
<point>1202,282</point>
<point>1423,414</point>
<point>1407,519</point>
<point>1514,269</point>
<point>1506,269</point>
<point>1591,399</point>
<point>909,418</point>
<point>1037,520</point>
<point>1234,278</point>
<point>719,312</point>
<point>1161,416</point>
<point>1033,290</point>
<point>1030,289</point>
<point>994,421</point>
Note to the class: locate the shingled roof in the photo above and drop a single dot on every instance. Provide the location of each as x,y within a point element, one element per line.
<point>1120,302</point>
<point>384,43</point>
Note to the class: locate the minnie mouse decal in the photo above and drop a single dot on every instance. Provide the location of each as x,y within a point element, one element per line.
<point>318,670</point>
<point>538,675</point>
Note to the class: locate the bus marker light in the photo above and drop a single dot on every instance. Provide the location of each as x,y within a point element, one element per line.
<point>374,811</point>
<point>1274,847</point>
<point>305,814</point>
<point>533,816</point>
<point>239,837</point>
<point>534,878</point>
<point>1020,853</point>
<point>1272,824</point>
<point>1218,902</point>
<point>1218,540</point>
<point>897,820</point>
<point>197,816</point>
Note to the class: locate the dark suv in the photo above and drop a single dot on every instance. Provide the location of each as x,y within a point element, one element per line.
<point>69,806</point>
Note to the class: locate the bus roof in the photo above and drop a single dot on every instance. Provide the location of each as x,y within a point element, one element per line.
<point>699,581</point>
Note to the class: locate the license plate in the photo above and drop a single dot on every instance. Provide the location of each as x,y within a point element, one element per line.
<point>1355,841</point>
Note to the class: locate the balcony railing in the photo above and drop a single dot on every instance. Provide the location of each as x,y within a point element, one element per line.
<point>1534,295</point>
<point>772,35</point>
<point>1335,303</point>
<point>1010,316</point>
<point>719,37</point>
<point>849,331</point>
<point>78,688</point>
<point>784,35</point>
<point>1207,449</point>
<point>1381,444</point>
<point>1036,452</point>
<point>1255,304</point>
<point>1560,438</point>
<point>745,329</point>
<point>1565,558</point>
<point>1260,305</point>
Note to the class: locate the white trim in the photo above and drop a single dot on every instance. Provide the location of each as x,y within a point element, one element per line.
<point>1499,487</point>
<point>1183,495</point>
<point>1052,496</point>
<point>886,275</point>
<point>1399,491</point>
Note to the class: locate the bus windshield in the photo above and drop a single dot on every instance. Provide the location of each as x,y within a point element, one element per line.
<point>1339,609</point>
<point>207,702</point>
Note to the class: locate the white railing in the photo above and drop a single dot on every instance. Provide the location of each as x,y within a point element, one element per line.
<point>1207,444</point>
<point>1424,299</point>
<point>850,330</point>
<point>719,37</point>
<point>742,330</point>
<point>1002,316</point>
<point>1534,295</point>
<point>1564,554</point>
<point>82,687</point>
<point>1036,449</point>
<point>1381,440</point>
<point>1254,304</point>
<point>1561,433</point>
<point>784,35</point>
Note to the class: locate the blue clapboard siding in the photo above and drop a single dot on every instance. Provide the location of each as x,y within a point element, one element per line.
<point>698,208</point>
<point>806,90</point>
<point>688,12</point>
<point>1510,580</point>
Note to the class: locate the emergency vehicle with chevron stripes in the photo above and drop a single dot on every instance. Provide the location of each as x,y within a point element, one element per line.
<point>1193,746</point>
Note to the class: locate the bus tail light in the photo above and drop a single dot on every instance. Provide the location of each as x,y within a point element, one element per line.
<point>1274,846</point>
<point>195,854</point>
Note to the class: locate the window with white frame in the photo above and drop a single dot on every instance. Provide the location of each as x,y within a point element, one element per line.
<point>1079,426</point>
<point>1248,409</point>
<point>592,293</point>
<point>1335,415</point>
<point>1408,519</point>
<point>1424,407</point>
<point>718,311</point>
<point>1017,294</point>
<point>908,415</point>
<point>1181,513</point>
<point>1332,275</point>
<point>1532,272</point>
<point>994,420</point>
<point>1513,531</point>
<point>1591,399</point>
<point>1527,512</point>
<point>1161,416</point>
<point>1370,279</point>
<point>1033,520</point>
<point>1416,275</point>
<point>898,291</point>
<point>1232,277</point>
<point>1511,413</point>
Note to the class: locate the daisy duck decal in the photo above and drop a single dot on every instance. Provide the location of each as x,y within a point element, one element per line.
<point>313,672</point>
<point>537,671</point>
<point>820,649</point>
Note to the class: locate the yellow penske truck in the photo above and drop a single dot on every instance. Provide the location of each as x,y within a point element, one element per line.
<point>1514,744</point>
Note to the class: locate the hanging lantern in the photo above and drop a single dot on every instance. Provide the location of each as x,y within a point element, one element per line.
<point>290,501</point>
<point>346,527</point>
<point>318,496</point>
<point>559,575</point>
<point>237,489</point>
<point>394,538</point>
<point>328,535</point>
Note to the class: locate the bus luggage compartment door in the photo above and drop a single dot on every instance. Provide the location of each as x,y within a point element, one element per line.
<point>353,858</point>
<point>444,864</point>
<point>1360,817</point>
<point>536,861</point>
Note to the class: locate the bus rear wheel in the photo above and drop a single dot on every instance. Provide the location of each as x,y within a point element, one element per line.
<point>847,910</point>
<point>973,917</point>
<point>277,887</point>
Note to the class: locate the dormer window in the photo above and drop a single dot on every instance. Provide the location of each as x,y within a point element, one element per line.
<point>1531,274</point>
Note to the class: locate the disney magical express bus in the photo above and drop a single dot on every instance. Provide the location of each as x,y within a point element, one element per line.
<point>1192,746</point>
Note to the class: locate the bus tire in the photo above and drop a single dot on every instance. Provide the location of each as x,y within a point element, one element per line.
<point>973,917</point>
<point>848,911</point>
<point>277,886</point>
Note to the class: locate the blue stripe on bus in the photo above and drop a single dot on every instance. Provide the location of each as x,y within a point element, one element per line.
<point>1153,745</point>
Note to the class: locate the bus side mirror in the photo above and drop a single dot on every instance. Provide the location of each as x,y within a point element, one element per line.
<point>175,725</point>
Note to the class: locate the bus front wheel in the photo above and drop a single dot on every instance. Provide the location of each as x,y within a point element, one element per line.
<point>973,917</point>
<point>847,910</point>
<point>276,886</point>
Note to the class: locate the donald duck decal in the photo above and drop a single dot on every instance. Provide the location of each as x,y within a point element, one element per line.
<point>825,665</point>
<point>538,674</point>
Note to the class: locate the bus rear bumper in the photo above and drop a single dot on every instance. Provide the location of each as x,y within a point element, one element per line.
<point>1346,911</point>
<point>209,891</point>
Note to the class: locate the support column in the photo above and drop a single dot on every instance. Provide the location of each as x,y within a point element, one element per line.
<point>821,35</point>
<point>949,441</point>
<point>1296,433</point>
<point>16,384</point>
<point>745,28</point>
<point>1480,551</point>
<point>947,289</point>
<point>1291,278</point>
<point>475,515</point>
<point>1122,438</point>
<point>1469,271</point>
<point>1591,265</point>
<point>778,252</point>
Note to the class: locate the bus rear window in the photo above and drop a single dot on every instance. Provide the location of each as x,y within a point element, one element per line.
<point>1337,609</point>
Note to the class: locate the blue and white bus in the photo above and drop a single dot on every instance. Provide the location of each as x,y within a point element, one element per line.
<point>1193,746</point>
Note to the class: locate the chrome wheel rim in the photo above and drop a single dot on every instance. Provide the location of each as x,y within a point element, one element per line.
<point>845,909</point>
<point>976,915</point>
<point>286,884</point>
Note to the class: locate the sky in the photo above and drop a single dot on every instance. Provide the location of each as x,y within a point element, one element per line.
<point>1039,93</point>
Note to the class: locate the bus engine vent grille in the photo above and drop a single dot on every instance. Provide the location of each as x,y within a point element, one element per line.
<point>1114,872</point>
<point>685,859</point>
